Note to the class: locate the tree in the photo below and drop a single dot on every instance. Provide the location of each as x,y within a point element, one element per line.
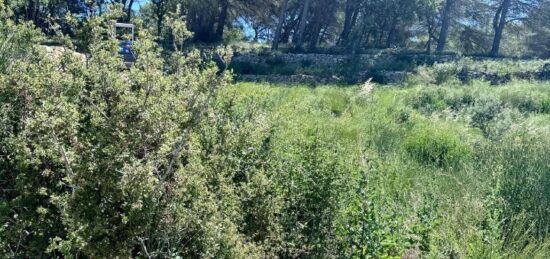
<point>127,6</point>
<point>160,12</point>
<point>446,13</point>
<point>508,11</point>
<point>428,12</point>
<point>351,13</point>
<point>499,22</point>
<point>304,13</point>
<point>280,22</point>
<point>322,20</point>
<point>386,23</point>
<point>222,19</point>
<point>539,41</point>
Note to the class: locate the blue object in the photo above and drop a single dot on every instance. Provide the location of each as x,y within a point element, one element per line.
<point>125,47</point>
<point>125,50</point>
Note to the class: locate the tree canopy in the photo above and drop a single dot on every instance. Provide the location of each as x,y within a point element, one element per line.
<point>480,27</point>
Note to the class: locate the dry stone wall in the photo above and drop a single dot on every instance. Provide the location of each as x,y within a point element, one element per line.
<point>338,60</point>
<point>383,67</point>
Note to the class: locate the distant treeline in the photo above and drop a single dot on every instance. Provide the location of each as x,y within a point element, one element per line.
<point>487,27</point>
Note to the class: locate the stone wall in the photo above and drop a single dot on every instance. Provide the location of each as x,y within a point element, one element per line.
<point>383,67</point>
<point>291,79</point>
<point>328,60</point>
<point>497,79</point>
<point>384,77</point>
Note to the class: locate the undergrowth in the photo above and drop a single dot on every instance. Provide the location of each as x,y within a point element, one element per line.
<point>435,171</point>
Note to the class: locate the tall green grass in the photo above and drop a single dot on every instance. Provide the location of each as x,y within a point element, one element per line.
<point>436,171</point>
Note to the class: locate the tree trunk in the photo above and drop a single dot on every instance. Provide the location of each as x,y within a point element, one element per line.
<point>32,11</point>
<point>290,26</point>
<point>430,29</point>
<point>349,20</point>
<point>354,19</point>
<point>221,20</point>
<point>367,38</point>
<point>303,22</point>
<point>393,28</point>
<point>380,31</point>
<point>445,20</point>
<point>499,24</point>
<point>159,12</point>
<point>129,10</point>
<point>36,13</point>
<point>314,36</point>
<point>323,34</point>
<point>279,28</point>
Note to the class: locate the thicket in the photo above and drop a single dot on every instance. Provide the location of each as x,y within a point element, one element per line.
<point>167,159</point>
<point>101,161</point>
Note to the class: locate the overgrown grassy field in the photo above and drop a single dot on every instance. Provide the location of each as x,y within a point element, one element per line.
<point>169,159</point>
<point>443,171</point>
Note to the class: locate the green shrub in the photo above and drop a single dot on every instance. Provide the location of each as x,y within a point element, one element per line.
<point>529,104</point>
<point>445,72</point>
<point>370,226</point>
<point>498,71</point>
<point>428,100</point>
<point>16,39</point>
<point>313,179</point>
<point>117,162</point>
<point>485,109</point>
<point>403,117</point>
<point>525,101</point>
<point>458,99</point>
<point>439,147</point>
<point>234,34</point>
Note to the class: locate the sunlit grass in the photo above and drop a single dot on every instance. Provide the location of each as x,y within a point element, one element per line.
<point>436,145</point>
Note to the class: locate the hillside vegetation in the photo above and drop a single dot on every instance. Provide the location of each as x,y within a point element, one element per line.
<point>170,159</point>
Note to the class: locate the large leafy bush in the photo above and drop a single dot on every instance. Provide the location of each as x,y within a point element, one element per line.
<point>101,161</point>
